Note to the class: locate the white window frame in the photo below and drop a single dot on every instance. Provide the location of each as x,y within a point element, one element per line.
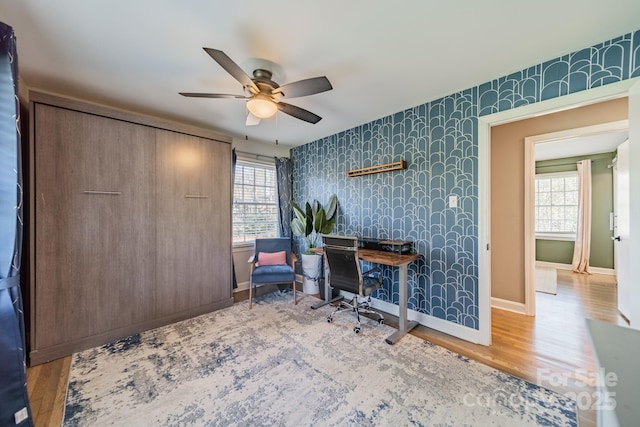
<point>258,162</point>
<point>550,235</point>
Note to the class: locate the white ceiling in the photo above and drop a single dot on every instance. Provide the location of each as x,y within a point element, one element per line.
<point>380,56</point>
<point>580,146</point>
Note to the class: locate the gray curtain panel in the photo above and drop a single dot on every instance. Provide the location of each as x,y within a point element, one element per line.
<point>14,409</point>
<point>284,176</point>
<point>234,158</point>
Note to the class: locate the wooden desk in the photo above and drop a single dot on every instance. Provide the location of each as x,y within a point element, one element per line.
<point>401,261</point>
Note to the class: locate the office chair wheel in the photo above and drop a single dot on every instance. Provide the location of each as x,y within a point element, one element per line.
<point>381,321</point>
<point>329,320</point>
<point>356,329</point>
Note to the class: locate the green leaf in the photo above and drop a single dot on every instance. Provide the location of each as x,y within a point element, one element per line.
<point>328,226</point>
<point>320,221</point>
<point>298,212</point>
<point>309,219</point>
<point>315,207</point>
<point>298,227</point>
<point>332,206</point>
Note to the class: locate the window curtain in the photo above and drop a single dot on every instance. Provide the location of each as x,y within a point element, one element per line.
<point>13,379</point>
<point>234,159</point>
<point>582,248</point>
<point>284,179</point>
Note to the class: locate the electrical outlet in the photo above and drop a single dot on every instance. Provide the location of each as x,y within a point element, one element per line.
<point>453,201</point>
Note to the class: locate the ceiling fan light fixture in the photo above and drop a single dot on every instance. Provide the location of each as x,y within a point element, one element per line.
<point>262,106</point>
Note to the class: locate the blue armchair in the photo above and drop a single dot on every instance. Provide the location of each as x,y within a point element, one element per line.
<point>277,266</point>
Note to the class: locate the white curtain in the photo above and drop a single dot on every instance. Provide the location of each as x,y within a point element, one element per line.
<point>580,263</point>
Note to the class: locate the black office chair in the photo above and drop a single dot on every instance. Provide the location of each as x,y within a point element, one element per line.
<point>341,256</point>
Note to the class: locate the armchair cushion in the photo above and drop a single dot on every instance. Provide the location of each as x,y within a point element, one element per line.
<point>273,274</point>
<point>272,258</point>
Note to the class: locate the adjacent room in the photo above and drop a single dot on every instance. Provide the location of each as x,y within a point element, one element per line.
<point>249,213</point>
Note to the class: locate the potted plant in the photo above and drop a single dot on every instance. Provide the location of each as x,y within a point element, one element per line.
<point>309,223</point>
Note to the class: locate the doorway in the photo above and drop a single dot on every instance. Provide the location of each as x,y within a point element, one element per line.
<point>589,140</point>
<point>485,123</point>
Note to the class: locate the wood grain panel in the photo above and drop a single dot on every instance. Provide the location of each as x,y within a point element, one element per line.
<point>92,251</point>
<point>130,224</point>
<point>126,116</point>
<point>193,214</point>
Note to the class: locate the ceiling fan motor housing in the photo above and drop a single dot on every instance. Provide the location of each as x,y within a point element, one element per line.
<point>262,79</point>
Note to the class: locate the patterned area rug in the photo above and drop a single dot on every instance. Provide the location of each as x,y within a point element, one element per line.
<point>284,365</point>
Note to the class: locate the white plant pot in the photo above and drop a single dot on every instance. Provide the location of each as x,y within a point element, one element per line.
<point>311,264</point>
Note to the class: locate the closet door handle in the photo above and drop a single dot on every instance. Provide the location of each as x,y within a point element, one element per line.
<point>194,196</point>
<point>616,238</point>
<point>104,193</point>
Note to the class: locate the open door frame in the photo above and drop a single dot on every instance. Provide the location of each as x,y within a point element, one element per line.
<point>634,203</point>
<point>592,96</point>
<point>529,197</point>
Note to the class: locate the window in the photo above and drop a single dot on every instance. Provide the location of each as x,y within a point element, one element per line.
<point>255,202</point>
<point>557,204</point>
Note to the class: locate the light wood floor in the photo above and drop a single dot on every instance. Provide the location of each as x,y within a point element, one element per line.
<point>552,345</point>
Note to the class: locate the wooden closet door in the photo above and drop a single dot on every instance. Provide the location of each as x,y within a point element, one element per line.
<point>193,222</point>
<point>94,233</point>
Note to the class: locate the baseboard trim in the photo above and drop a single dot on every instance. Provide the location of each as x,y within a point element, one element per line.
<point>559,266</point>
<point>459,331</point>
<point>242,286</point>
<point>600,270</point>
<point>503,304</point>
<point>556,265</point>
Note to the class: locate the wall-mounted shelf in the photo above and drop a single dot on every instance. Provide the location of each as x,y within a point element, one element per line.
<point>388,167</point>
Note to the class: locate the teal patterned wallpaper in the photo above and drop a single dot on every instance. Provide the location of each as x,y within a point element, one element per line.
<point>439,141</point>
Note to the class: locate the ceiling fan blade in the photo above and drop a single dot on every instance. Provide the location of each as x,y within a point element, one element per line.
<point>298,113</point>
<point>231,67</point>
<point>304,87</point>
<point>211,95</point>
<point>252,120</point>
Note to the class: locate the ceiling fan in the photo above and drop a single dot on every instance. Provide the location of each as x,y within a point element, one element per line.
<point>263,95</point>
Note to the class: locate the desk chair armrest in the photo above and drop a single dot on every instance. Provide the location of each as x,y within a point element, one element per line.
<point>373,270</point>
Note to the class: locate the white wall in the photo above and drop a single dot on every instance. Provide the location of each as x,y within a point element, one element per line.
<point>240,257</point>
<point>260,148</point>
